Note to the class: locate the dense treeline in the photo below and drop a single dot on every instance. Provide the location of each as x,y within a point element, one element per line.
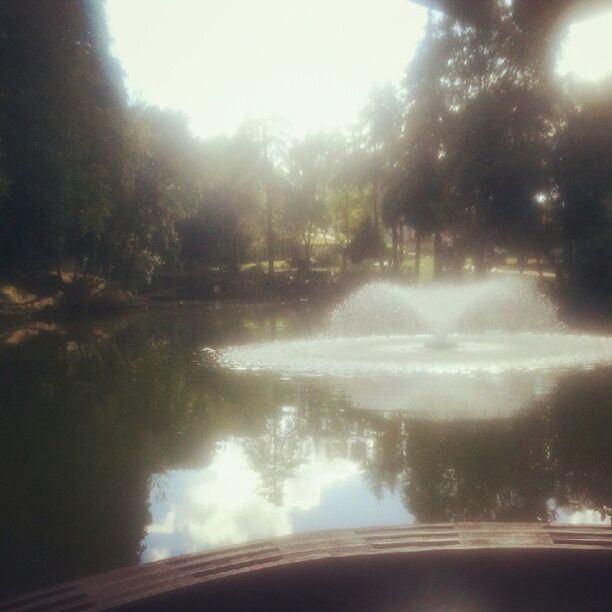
<point>482,153</point>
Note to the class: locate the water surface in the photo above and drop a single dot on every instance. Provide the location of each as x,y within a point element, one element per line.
<point>123,442</point>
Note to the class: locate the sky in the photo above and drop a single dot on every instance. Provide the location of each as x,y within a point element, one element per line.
<point>587,51</point>
<point>309,63</point>
<point>222,503</point>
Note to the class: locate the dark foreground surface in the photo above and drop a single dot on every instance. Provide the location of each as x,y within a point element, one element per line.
<point>470,580</point>
<point>470,566</point>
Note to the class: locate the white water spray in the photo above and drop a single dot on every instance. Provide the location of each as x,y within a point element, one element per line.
<point>498,343</point>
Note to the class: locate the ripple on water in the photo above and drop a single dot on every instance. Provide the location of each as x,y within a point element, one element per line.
<point>484,376</point>
<point>494,352</point>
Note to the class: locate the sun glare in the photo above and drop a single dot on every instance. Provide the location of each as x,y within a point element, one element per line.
<point>308,62</point>
<point>587,52</point>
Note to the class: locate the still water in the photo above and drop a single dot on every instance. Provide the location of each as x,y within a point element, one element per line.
<point>123,442</point>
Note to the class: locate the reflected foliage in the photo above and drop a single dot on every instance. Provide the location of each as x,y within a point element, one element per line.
<point>92,413</point>
<point>88,415</point>
<point>482,156</point>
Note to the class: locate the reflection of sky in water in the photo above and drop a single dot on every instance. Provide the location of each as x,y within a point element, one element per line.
<point>281,480</point>
<point>578,516</point>
<point>138,440</point>
<point>223,502</point>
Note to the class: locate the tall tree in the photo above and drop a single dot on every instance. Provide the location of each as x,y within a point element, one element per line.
<point>418,181</point>
<point>499,135</point>
<point>479,125</point>
<point>221,223</point>
<point>381,134</point>
<point>313,164</point>
<point>267,142</point>
<point>61,97</point>
<point>158,188</point>
<point>583,164</point>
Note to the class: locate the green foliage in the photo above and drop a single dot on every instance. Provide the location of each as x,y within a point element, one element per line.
<point>156,189</point>
<point>60,95</point>
<point>479,149</point>
<point>220,226</point>
<point>583,163</point>
<point>367,243</point>
<point>313,166</point>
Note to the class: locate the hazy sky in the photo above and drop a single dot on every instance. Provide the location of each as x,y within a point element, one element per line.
<point>587,52</point>
<point>310,62</point>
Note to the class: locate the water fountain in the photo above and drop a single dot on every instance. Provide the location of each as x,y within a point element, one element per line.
<point>441,309</point>
<point>497,345</point>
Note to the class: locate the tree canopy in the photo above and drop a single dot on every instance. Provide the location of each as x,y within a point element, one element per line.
<point>481,152</point>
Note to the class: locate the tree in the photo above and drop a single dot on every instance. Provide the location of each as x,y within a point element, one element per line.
<point>583,165</point>
<point>477,138</point>
<point>380,138</point>
<point>313,164</point>
<point>499,136</point>
<point>158,188</point>
<point>418,182</point>
<point>367,243</point>
<point>267,142</point>
<point>62,98</point>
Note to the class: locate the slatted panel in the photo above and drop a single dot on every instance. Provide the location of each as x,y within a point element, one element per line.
<point>511,535</point>
<point>600,537</point>
<point>421,537</point>
<point>210,568</point>
<point>63,598</point>
<point>132,584</point>
<point>182,572</point>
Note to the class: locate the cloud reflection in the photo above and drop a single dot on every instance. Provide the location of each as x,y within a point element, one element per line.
<point>223,503</point>
<point>580,516</point>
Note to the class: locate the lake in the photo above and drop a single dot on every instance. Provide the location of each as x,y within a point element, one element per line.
<point>124,442</point>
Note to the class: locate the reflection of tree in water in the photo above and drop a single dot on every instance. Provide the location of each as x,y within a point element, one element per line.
<point>508,469</point>
<point>311,425</point>
<point>88,416</point>
<point>496,470</point>
<point>476,471</point>
<point>580,421</point>
<point>277,451</point>
<point>86,424</point>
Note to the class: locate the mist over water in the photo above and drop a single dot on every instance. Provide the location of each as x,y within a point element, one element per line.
<point>470,350</point>
<point>440,309</point>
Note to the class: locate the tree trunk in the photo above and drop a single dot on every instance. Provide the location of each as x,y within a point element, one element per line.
<point>437,255</point>
<point>269,211</point>
<point>270,235</point>
<point>307,244</point>
<point>394,242</point>
<point>77,267</point>
<point>234,255</point>
<point>58,265</point>
<point>480,262</point>
<point>131,273</point>
<point>377,223</point>
<point>417,256</point>
<point>347,239</point>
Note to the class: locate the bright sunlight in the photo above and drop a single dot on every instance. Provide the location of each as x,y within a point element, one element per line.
<point>310,63</point>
